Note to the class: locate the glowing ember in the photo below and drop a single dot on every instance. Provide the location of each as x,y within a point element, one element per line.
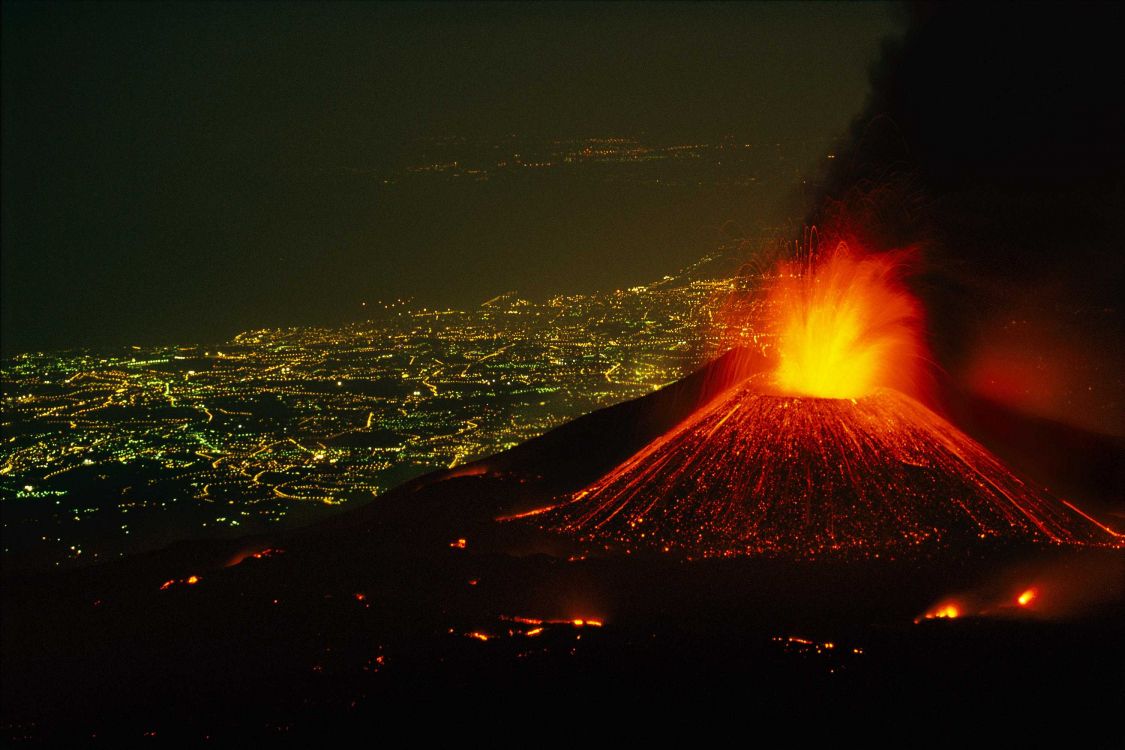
<point>845,327</point>
<point>804,645</point>
<point>253,555</point>
<point>524,620</point>
<point>459,544</point>
<point>578,622</point>
<point>1026,598</point>
<point>192,580</point>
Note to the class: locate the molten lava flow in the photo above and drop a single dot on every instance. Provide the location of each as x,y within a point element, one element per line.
<point>845,327</point>
<point>763,474</point>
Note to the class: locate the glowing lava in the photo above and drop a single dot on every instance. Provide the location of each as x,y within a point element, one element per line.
<point>190,581</point>
<point>835,455</point>
<point>757,473</point>
<point>845,327</point>
<point>947,611</point>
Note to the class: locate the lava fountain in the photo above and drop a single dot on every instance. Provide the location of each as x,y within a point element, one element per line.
<point>829,451</point>
<point>845,327</point>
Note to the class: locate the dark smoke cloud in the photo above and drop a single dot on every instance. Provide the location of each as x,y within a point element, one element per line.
<point>994,142</point>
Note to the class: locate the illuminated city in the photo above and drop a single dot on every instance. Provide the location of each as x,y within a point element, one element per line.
<point>113,452</point>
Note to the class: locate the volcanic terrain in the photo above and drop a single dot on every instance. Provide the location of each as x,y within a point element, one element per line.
<point>761,473</point>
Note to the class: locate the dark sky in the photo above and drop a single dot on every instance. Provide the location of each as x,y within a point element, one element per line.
<point>177,173</point>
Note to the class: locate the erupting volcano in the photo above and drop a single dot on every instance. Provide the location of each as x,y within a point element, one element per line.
<point>831,451</point>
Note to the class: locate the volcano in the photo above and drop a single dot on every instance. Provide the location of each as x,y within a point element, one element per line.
<point>823,447</point>
<point>758,473</point>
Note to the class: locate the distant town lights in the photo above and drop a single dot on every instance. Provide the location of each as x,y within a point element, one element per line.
<point>222,432</point>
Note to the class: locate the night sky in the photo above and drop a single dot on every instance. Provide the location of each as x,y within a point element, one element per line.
<point>178,173</point>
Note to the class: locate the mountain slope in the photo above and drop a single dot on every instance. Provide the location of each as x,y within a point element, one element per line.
<point>757,473</point>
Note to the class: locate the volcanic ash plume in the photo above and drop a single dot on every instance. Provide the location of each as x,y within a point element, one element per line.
<point>828,455</point>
